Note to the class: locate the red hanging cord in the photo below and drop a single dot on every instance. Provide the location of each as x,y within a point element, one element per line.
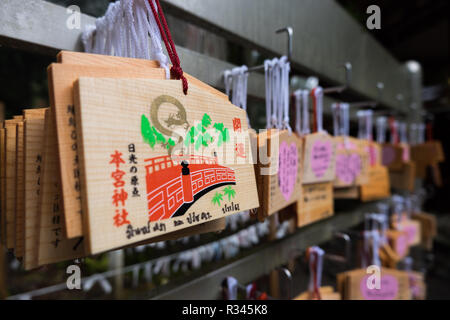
<point>176,71</point>
<point>313,96</point>
<point>393,130</point>
<point>315,294</point>
<point>429,131</point>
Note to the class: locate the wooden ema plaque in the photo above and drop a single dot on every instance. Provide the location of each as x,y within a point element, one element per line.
<point>404,179</point>
<point>319,158</point>
<point>153,169</point>
<point>61,79</point>
<point>399,242</point>
<point>388,257</point>
<point>20,193</point>
<point>394,285</point>
<point>374,151</point>
<point>425,155</point>
<point>428,227</point>
<point>2,188</point>
<point>53,245</point>
<point>10,181</point>
<point>316,203</point>
<point>410,226</point>
<point>352,162</point>
<point>326,293</point>
<point>378,186</point>
<point>279,171</point>
<point>392,156</point>
<point>33,146</point>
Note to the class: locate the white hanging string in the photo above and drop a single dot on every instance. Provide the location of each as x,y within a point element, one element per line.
<point>315,253</point>
<point>360,115</point>
<point>403,131</point>
<point>239,82</point>
<point>305,116</point>
<point>124,31</point>
<point>381,129</point>
<point>345,117</point>
<point>227,80</point>
<point>369,124</point>
<point>285,69</point>
<point>335,108</point>
<point>276,103</point>
<point>268,66</point>
<point>365,125</point>
<point>236,81</point>
<point>298,106</point>
<point>277,93</point>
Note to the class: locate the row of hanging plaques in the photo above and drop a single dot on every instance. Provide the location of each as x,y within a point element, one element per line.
<point>123,157</point>
<point>141,145</point>
<point>94,172</point>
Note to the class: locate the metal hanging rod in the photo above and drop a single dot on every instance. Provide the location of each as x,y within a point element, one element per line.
<point>348,76</point>
<point>289,31</point>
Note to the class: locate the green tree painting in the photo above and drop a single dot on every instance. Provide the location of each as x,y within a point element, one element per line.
<point>230,192</point>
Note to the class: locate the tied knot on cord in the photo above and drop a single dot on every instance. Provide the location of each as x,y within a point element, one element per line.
<point>176,72</point>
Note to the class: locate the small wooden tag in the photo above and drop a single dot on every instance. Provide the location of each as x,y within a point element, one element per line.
<point>279,170</point>
<point>319,158</point>
<point>53,244</point>
<point>326,293</point>
<point>410,226</point>
<point>10,180</point>
<point>352,163</point>
<point>2,187</point>
<point>399,242</point>
<point>378,186</point>
<point>394,285</point>
<point>20,192</point>
<point>33,147</point>
<point>392,156</point>
<point>316,203</point>
<point>428,228</point>
<point>404,179</point>
<point>216,180</point>
<point>61,79</point>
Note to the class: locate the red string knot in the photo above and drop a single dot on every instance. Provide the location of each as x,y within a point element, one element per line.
<point>177,73</point>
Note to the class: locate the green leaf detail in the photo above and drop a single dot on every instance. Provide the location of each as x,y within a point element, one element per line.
<point>217,198</point>
<point>206,121</point>
<point>207,139</point>
<point>147,132</point>
<point>226,135</point>
<point>218,126</point>
<point>159,136</point>
<point>230,192</point>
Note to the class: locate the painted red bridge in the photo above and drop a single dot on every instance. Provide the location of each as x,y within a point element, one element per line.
<point>174,183</point>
